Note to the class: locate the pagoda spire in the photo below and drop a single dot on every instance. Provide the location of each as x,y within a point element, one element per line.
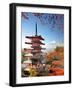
<point>36,30</point>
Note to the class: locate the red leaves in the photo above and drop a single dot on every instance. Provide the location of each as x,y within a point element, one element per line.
<point>57,63</point>
<point>56,71</point>
<point>25,15</point>
<point>59,52</point>
<point>54,21</point>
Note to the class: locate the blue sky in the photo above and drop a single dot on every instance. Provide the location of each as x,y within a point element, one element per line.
<point>49,26</point>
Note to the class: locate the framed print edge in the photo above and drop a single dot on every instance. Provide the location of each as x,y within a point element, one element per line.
<point>70,45</point>
<point>12,63</point>
<point>12,41</point>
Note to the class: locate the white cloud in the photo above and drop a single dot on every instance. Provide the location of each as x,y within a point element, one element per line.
<point>52,45</point>
<point>52,42</point>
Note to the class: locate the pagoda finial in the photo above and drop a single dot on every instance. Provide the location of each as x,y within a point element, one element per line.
<point>36,30</point>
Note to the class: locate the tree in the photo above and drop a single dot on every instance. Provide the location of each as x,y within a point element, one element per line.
<point>54,21</point>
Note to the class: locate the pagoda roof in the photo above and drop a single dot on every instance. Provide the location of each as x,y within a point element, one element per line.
<point>36,51</point>
<point>35,37</point>
<point>35,43</point>
<point>37,48</point>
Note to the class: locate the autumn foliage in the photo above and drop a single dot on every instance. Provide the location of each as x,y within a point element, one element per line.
<point>57,61</point>
<point>56,71</point>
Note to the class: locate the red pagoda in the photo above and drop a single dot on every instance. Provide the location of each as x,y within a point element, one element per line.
<point>36,42</point>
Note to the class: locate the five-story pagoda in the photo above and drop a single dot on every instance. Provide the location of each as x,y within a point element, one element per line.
<point>36,42</point>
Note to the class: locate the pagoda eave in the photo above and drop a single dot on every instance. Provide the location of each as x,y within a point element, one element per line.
<point>36,52</point>
<point>35,37</point>
<point>38,48</point>
<point>28,43</point>
<point>35,43</point>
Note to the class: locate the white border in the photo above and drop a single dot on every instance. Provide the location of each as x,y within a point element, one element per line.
<point>19,79</point>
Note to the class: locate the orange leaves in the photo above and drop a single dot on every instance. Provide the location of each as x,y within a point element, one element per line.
<point>57,63</point>
<point>57,54</point>
<point>56,71</point>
